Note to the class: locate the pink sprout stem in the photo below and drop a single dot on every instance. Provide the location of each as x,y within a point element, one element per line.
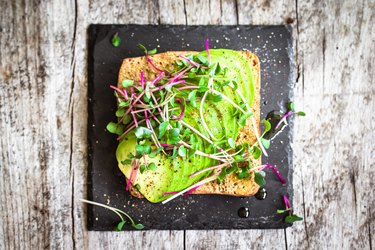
<point>188,87</point>
<point>283,119</point>
<point>167,84</point>
<point>117,89</point>
<point>131,176</point>
<point>180,74</point>
<point>134,103</point>
<point>153,65</point>
<point>135,120</point>
<point>135,174</point>
<point>182,107</point>
<point>157,79</point>
<point>281,179</point>
<point>125,94</point>
<point>287,204</point>
<point>142,80</point>
<point>192,190</point>
<point>190,61</point>
<point>208,51</point>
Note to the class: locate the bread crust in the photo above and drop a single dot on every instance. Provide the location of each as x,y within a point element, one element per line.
<point>231,185</point>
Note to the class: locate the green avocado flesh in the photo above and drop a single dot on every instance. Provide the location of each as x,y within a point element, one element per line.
<point>172,175</point>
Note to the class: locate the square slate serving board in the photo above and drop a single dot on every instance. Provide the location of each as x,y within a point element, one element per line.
<point>106,184</point>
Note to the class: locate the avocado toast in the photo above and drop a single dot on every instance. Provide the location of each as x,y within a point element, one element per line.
<point>189,123</point>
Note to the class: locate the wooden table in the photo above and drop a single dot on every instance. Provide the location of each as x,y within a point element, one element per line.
<point>43,120</point>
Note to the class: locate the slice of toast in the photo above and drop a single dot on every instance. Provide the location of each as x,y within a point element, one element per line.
<point>130,69</point>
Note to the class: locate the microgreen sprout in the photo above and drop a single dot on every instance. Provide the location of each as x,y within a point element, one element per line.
<point>290,112</point>
<point>291,217</point>
<point>120,214</point>
<point>116,40</point>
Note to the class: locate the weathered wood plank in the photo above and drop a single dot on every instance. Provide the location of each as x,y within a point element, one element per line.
<point>43,119</point>
<point>43,125</point>
<point>266,12</point>
<point>36,76</point>
<point>334,164</point>
<point>172,12</point>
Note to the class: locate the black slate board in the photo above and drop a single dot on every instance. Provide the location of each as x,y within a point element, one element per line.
<point>106,184</point>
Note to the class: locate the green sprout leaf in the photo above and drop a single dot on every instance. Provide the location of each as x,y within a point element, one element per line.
<point>256,152</point>
<point>267,126</point>
<point>244,173</point>
<point>202,89</point>
<point>291,106</point>
<point>123,104</point>
<point>142,132</point>
<point>203,60</point>
<point>281,211</point>
<point>115,128</point>
<point>182,151</point>
<point>266,143</point>
<point>142,47</point>
<point>142,168</point>
<point>172,101</point>
<point>173,136</point>
<point>212,70</point>
<point>147,148</point>
<point>186,133</point>
<point>232,169</point>
<point>292,218</point>
<point>301,113</point>
<point>120,112</point>
<point>243,118</point>
<point>202,82</point>
<point>234,85</point>
<point>192,98</point>
<point>191,152</point>
<point>163,128</point>
<point>231,142</point>
<point>127,83</point>
<point>138,226</point>
<point>151,166</point>
<point>217,98</point>
<point>191,75</point>
<point>152,52</point>
<point>139,149</point>
<point>137,186</point>
<point>225,84</point>
<point>175,151</point>
<point>126,119</point>
<point>116,40</point>
<point>218,69</point>
<point>222,175</point>
<point>259,178</point>
<point>126,162</point>
<point>239,158</point>
<point>120,225</point>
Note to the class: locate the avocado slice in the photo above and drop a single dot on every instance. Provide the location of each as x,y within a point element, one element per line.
<point>173,175</point>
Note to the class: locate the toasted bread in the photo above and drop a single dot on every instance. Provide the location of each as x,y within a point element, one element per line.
<point>130,69</point>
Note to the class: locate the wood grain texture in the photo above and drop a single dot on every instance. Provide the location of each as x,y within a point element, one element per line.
<point>43,119</point>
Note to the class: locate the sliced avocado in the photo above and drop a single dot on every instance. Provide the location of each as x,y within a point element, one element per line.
<point>173,175</point>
